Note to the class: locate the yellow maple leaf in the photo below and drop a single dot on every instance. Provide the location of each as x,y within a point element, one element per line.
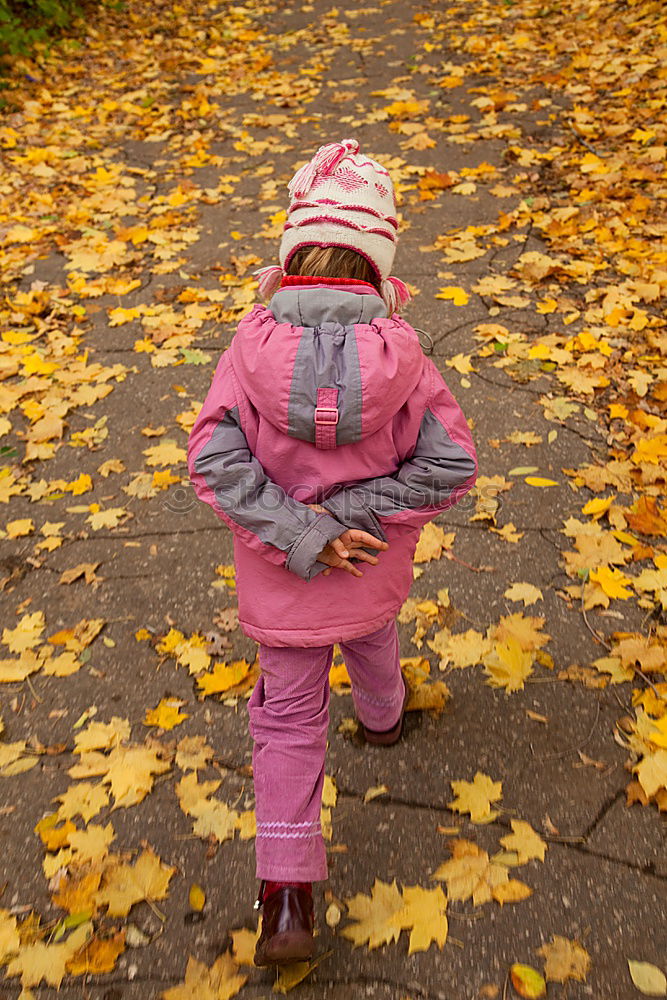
<point>98,956</point>
<point>525,592</point>
<point>659,733</point>
<point>475,797</point>
<point>244,942</point>
<point>102,735</point>
<point>167,714</point>
<point>509,532</point>
<point>247,825</point>
<point>339,678</point>
<point>76,639</point>
<point>20,528</point>
<point>37,962</point>
<point>27,633</point>
<point>460,649</point>
<point>77,891</point>
<point>546,306</point>
<point>127,770</point>
<point>461,363</point>
<point>453,293</point>
<point>508,665</point>
<point>92,843</point>
<point>221,982</point>
<point>424,915</point>
<point>9,936</point>
<point>382,916</point>
<point>564,960</point>
<point>167,452</point>
<point>470,873</point>
<point>82,484</point>
<point>127,884</point>
<point>376,916</point>
<point>525,841</point>
<point>651,449</point>
<point>433,541</point>
<point>17,670</point>
<point>190,653</point>
<point>15,758</point>
<point>652,772</point>
<point>612,581</point>
<point>63,665</point>
<point>431,697</point>
<point>212,816</point>
<point>83,799</point>
<point>598,506</point>
<point>53,833</point>
<point>223,677</point>
<point>192,753</point>
<point>525,630</point>
<point>109,518</point>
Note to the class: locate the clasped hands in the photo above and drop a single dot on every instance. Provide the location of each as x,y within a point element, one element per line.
<point>351,544</point>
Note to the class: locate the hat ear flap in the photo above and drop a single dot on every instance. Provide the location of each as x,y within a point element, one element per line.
<point>269,279</point>
<point>395,294</point>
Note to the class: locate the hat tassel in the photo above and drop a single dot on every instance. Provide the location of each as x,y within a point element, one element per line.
<point>269,279</point>
<point>395,293</point>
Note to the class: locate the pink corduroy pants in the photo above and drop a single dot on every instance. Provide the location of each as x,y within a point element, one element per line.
<point>289,717</point>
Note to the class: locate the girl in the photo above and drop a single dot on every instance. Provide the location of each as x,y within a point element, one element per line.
<point>325,442</point>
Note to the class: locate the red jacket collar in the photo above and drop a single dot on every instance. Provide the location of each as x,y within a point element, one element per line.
<point>303,279</point>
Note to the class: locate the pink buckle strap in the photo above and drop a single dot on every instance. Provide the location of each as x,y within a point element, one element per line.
<point>326,418</point>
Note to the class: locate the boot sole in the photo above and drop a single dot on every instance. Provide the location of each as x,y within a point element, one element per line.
<point>285,949</point>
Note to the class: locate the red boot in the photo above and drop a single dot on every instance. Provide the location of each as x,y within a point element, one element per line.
<point>287,923</point>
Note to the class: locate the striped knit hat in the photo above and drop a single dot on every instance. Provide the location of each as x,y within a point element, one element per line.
<point>342,198</point>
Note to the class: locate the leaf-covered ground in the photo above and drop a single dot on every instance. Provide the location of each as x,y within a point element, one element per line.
<point>515,838</point>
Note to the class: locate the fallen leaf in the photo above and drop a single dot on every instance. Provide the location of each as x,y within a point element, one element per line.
<point>525,592</point>
<point>290,976</point>
<point>475,797</point>
<point>648,978</point>
<point>98,956</point>
<point>221,982</point>
<point>167,714</point>
<point>527,982</point>
<point>374,793</point>
<point>196,898</point>
<point>524,841</point>
<point>37,962</point>
<point>127,884</point>
<point>382,916</point>
<point>564,959</point>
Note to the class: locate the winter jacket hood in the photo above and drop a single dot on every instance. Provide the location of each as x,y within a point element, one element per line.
<point>344,341</point>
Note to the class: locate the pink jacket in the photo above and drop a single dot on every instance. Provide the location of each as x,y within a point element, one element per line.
<point>322,398</point>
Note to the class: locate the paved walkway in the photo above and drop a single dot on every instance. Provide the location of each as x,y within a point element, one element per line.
<point>178,152</point>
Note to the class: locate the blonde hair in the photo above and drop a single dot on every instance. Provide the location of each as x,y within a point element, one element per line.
<point>332,262</point>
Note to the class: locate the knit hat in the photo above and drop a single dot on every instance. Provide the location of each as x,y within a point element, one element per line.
<point>342,198</point>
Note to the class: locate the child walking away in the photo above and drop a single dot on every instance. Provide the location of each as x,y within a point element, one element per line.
<point>325,442</point>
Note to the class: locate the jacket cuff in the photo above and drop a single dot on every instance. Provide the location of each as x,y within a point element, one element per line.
<point>348,507</point>
<point>302,559</point>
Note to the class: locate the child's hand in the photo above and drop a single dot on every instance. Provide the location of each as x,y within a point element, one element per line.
<point>350,545</point>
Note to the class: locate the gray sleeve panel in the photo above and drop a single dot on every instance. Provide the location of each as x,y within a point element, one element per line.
<point>437,466</point>
<point>249,498</point>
